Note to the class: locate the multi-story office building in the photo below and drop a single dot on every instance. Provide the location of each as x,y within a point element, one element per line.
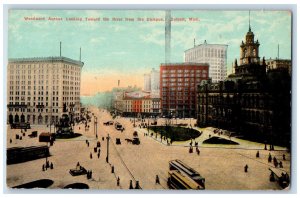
<point>178,83</point>
<point>147,82</point>
<point>154,74</point>
<point>39,88</point>
<point>213,54</point>
<point>151,82</point>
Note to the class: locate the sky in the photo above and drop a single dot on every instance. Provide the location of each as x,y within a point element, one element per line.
<point>125,50</point>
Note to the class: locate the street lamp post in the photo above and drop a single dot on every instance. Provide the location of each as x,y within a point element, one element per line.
<point>148,125</point>
<point>133,120</point>
<point>107,153</point>
<point>95,126</point>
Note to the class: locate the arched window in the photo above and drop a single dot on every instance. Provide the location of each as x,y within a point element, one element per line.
<point>11,119</point>
<point>22,118</point>
<point>40,119</point>
<point>254,52</point>
<point>16,118</point>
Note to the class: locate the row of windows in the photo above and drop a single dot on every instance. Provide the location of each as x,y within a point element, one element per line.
<point>180,86</point>
<point>186,71</point>
<point>186,93</point>
<point>41,110</point>
<point>180,80</point>
<point>42,66</point>
<point>206,52</point>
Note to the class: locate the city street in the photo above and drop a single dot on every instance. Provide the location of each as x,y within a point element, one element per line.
<point>222,166</point>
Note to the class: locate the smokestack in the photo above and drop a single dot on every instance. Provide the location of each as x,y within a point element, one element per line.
<point>60,48</point>
<point>167,36</point>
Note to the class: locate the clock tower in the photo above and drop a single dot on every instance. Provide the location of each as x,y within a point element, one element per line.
<point>249,50</point>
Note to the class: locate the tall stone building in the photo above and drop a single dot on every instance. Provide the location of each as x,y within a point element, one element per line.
<point>147,82</point>
<point>254,102</point>
<point>38,89</point>
<point>151,82</point>
<point>178,85</point>
<point>213,54</point>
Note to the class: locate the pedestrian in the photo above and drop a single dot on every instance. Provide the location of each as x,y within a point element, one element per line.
<point>43,167</point>
<point>198,151</point>
<point>51,165</point>
<point>246,168</point>
<point>137,185</point>
<point>118,181</point>
<point>130,185</point>
<point>91,174</point>
<point>98,155</point>
<point>275,164</point>
<point>112,169</point>
<point>280,164</point>
<point>10,140</point>
<point>191,150</point>
<point>88,175</point>
<point>283,157</point>
<point>275,161</point>
<point>91,156</point>
<point>270,158</point>
<point>257,154</point>
<point>157,180</point>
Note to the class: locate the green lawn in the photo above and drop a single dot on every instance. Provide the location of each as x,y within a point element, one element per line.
<point>176,133</point>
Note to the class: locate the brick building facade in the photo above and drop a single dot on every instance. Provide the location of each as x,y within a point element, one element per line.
<point>178,84</point>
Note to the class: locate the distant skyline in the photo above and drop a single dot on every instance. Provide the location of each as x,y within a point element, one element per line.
<point>125,50</point>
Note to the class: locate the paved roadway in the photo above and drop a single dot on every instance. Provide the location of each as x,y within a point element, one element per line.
<point>222,166</point>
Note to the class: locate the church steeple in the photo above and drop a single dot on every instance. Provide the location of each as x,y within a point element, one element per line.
<point>249,50</point>
<point>249,23</point>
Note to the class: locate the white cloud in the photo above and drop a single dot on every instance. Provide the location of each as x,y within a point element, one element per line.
<point>97,40</point>
<point>156,36</point>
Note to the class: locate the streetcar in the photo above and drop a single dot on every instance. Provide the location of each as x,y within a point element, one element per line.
<point>176,180</point>
<point>188,171</point>
<point>23,154</point>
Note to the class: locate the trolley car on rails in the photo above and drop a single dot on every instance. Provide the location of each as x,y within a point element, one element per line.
<point>188,171</point>
<point>176,180</point>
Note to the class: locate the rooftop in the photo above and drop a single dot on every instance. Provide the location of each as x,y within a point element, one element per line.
<point>44,59</point>
<point>205,44</point>
<point>184,64</point>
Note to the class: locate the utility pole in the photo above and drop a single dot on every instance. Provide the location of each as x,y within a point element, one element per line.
<point>107,153</point>
<point>148,125</point>
<point>96,126</point>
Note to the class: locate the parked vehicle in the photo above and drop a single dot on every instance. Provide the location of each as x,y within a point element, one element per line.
<point>118,126</point>
<point>136,141</point>
<point>108,123</point>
